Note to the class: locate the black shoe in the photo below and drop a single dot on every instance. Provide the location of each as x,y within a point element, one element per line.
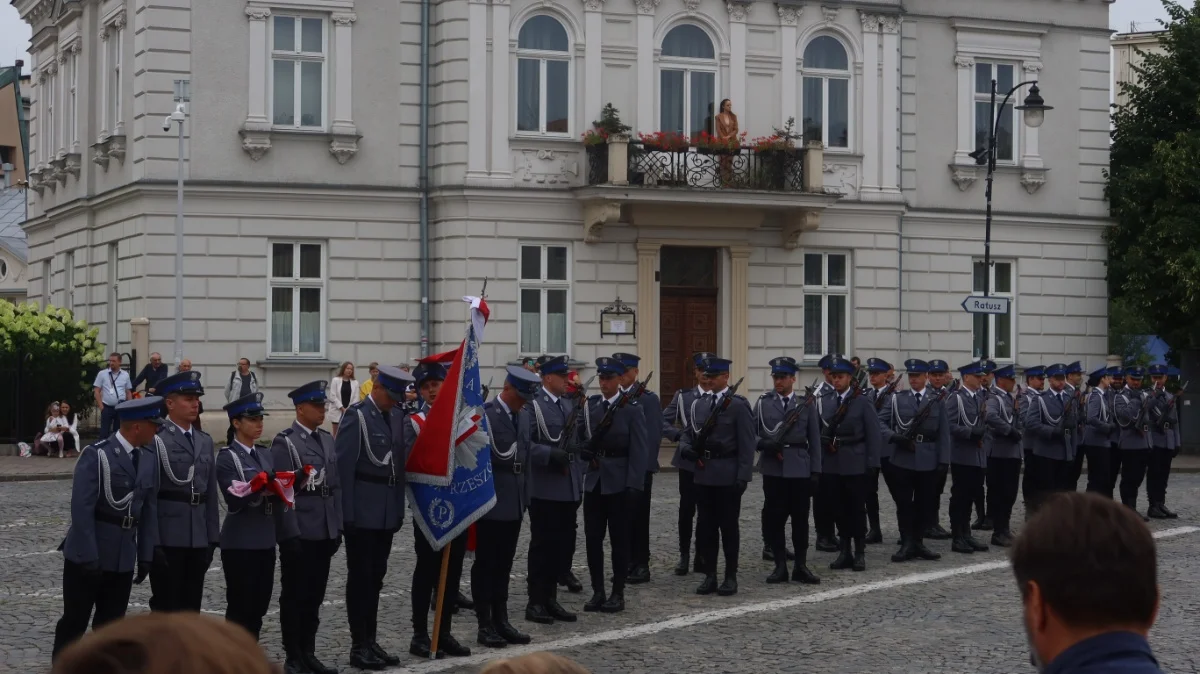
<point>803,574</point>
<point>487,636</point>
<point>979,547</point>
<point>1001,539</point>
<point>768,554</point>
<point>978,524</point>
<point>640,574</point>
<point>449,645</point>
<point>779,575</point>
<point>922,552</point>
<point>504,628</point>
<point>708,585</point>
<point>937,533</point>
<point>388,659</point>
<point>960,544</point>
<point>569,581</point>
<point>559,613</point>
<point>860,560</point>
<point>698,564</point>
<point>537,613</point>
<point>728,586</point>
<point>900,541</point>
<point>874,537</point>
<point>463,601</point>
<point>844,559</point>
<point>827,544</point>
<point>988,524</point>
<point>1155,512</point>
<point>595,602</point>
<point>1171,515</point>
<point>315,665</point>
<point>904,554</point>
<point>362,657</point>
<point>615,602</point>
<point>295,665</point>
<point>419,646</point>
<point>681,569</point>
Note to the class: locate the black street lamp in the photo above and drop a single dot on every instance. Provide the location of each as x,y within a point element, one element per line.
<point>1034,109</point>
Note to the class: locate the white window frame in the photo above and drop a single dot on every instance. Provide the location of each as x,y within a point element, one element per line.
<point>114,79</point>
<point>298,57</point>
<point>984,41</point>
<point>71,138</point>
<point>543,284</point>
<point>978,97</point>
<point>113,291</point>
<point>991,319</point>
<point>825,291</point>
<point>47,286</point>
<point>542,56</point>
<point>69,281</point>
<point>296,284</point>
<point>687,66</point>
<point>49,108</point>
<point>825,75</point>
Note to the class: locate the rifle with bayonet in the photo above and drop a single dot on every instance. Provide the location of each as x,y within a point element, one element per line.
<point>606,422</point>
<point>922,414</point>
<point>829,437</point>
<point>700,438</point>
<point>790,419</point>
<point>882,395</point>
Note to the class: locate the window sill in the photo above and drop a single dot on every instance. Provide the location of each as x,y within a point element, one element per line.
<point>296,362</point>
<point>544,138</point>
<point>257,139</point>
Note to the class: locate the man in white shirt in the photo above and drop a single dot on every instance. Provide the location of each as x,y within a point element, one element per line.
<point>111,388</point>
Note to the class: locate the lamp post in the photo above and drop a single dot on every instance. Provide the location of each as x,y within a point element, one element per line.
<point>178,117</point>
<point>1034,109</point>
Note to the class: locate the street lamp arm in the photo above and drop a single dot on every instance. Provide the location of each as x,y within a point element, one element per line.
<point>1007,97</point>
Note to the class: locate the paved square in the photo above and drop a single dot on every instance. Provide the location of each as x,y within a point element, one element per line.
<point>959,614</point>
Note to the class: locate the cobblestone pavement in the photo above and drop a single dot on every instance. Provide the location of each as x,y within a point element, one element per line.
<point>18,469</point>
<point>959,614</point>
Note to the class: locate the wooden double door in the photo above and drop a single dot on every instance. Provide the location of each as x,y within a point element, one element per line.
<point>687,315</point>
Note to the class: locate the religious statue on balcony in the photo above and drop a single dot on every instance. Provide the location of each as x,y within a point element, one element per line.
<point>727,132</point>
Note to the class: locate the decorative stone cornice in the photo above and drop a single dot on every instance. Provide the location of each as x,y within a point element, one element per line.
<point>789,15</point>
<point>870,22</point>
<point>965,62</point>
<point>344,19</point>
<point>646,6</point>
<point>963,176</point>
<point>258,13</point>
<point>117,20</point>
<point>344,146</point>
<point>593,5</point>
<point>72,164</point>
<point>256,142</point>
<point>691,6</point>
<point>1032,179</point>
<point>738,10</point>
<point>1032,67</point>
<point>829,14</point>
<point>595,215</point>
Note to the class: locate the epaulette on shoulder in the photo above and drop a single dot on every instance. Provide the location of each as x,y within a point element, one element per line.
<point>741,397</point>
<point>764,394</point>
<point>489,405</point>
<point>595,398</point>
<point>633,402</point>
<point>101,444</point>
<point>261,445</point>
<point>287,431</point>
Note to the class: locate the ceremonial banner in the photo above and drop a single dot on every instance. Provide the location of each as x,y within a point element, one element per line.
<point>449,471</point>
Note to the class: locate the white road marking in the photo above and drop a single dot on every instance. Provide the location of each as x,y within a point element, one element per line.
<point>680,622</point>
<point>20,555</point>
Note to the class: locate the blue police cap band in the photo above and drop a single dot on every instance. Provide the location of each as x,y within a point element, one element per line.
<point>841,365</point>
<point>716,366</point>
<point>526,383</point>
<point>971,368</point>
<point>246,406</point>
<point>181,382</point>
<point>878,365</point>
<point>1006,372</point>
<point>916,366</point>
<point>141,409</point>
<point>394,380</point>
<point>627,359</point>
<point>938,366</point>
<point>310,392</point>
<point>556,365</point>
<point>1157,370</point>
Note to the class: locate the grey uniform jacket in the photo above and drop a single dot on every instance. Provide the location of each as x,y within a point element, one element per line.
<point>621,453</point>
<point>318,512</point>
<point>509,473</point>
<point>1128,408</point>
<point>1029,415</point>
<point>1099,422</point>
<point>968,427</point>
<point>371,468</point>
<point>189,510</point>
<point>1004,424</point>
<point>730,447</point>
<point>251,523</point>
<point>801,455</point>
<point>858,439</point>
<point>883,410</point>
<point>1052,414</point>
<point>1110,397</point>
<point>931,439</point>
<point>653,412</point>
<point>114,546</point>
<point>1164,422</point>
<point>676,418</point>
<point>549,482</point>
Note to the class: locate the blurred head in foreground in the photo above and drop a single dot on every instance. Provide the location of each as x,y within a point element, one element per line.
<point>534,663</point>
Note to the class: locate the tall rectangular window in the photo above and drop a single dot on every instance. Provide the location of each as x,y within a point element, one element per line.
<point>69,281</point>
<point>544,297</point>
<point>48,127</point>
<point>115,38</point>
<point>1003,73</point>
<point>296,315</point>
<point>71,137</point>
<point>113,294</point>
<point>47,285</point>
<point>996,330</point>
<point>298,50</point>
<point>826,303</point>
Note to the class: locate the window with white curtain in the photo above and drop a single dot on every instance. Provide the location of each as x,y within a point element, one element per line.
<point>543,77</point>
<point>1003,73</point>
<point>298,55</point>
<point>71,139</point>
<point>49,127</point>
<point>115,37</point>
<point>826,92</point>
<point>999,327</point>
<point>544,298</point>
<point>687,94</point>
<point>296,320</point>
<point>826,303</point>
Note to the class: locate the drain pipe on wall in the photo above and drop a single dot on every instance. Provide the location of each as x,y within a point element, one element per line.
<point>423,178</point>
<point>900,292</point>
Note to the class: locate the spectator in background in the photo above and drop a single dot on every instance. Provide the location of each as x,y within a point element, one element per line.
<point>154,372</point>
<point>50,439</point>
<point>534,663</point>
<point>241,384</point>
<point>1087,572</point>
<point>343,392</point>
<point>71,435</point>
<point>110,388</point>
<point>166,643</point>
<point>365,389</point>
<point>185,365</point>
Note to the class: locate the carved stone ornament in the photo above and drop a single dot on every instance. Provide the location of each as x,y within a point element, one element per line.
<point>342,146</point>
<point>829,14</point>
<point>593,5</point>
<point>964,62</point>
<point>595,215</point>
<point>840,179</point>
<point>34,179</point>
<point>889,23</point>
<point>72,164</point>
<point>1032,179</point>
<point>870,22</point>
<point>646,6</point>
<point>738,11</point>
<point>103,33</point>
<point>691,6</point>
<point>344,19</point>
<point>795,225</point>
<point>1032,67</point>
<point>963,176</point>
<point>58,171</point>
<point>255,143</point>
<point>789,15</point>
<point>116,147</point>
<point>100,155</point>
<point>118,19</point>
<point>554,168</point>
<point>258,13</point>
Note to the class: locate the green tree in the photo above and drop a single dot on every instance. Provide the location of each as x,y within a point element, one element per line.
<point>1127,332</point>
<point>1154,186</point>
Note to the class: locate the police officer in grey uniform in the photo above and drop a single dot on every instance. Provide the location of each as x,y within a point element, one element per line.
<point>1053,418</point>
<point>616,456</point>
<point>510,433</point>
<point>651,407</point>
<point>939,379</point>
<point>879,392</point>
<point>966,408</point>
<point>916,428</point>
<point>850,446</point>
<point>1004,454</point>
<point>1135,436</point>
<point>1035,382</point>
<point>250,532</point>
<point>724,463</point>
<point>1164,443</point>
<point>1074,387</point>
<point>556,490</point>
<point>371,445</point>
<point>824,514</point>
<point>1099,426</point>
<point>189,510</point>
<point>1114,441</point>
<point>789,445</point>
<point>315,526</point>
<point>675,421</point>
<point>114,522</point>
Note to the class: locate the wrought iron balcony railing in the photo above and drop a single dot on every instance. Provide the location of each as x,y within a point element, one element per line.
<point>780,170</point>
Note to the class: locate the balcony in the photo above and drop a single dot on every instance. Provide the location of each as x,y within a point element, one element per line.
<point>642,184</point>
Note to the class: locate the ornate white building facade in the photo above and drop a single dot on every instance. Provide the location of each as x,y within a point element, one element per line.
<point>303,216</point>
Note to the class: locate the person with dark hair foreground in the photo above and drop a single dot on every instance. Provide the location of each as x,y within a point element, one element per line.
<point>1077,619</point>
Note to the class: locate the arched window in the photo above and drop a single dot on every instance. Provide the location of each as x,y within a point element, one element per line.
<point>543,76</point>
<point>826,92</point>
<point>687,81</point>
